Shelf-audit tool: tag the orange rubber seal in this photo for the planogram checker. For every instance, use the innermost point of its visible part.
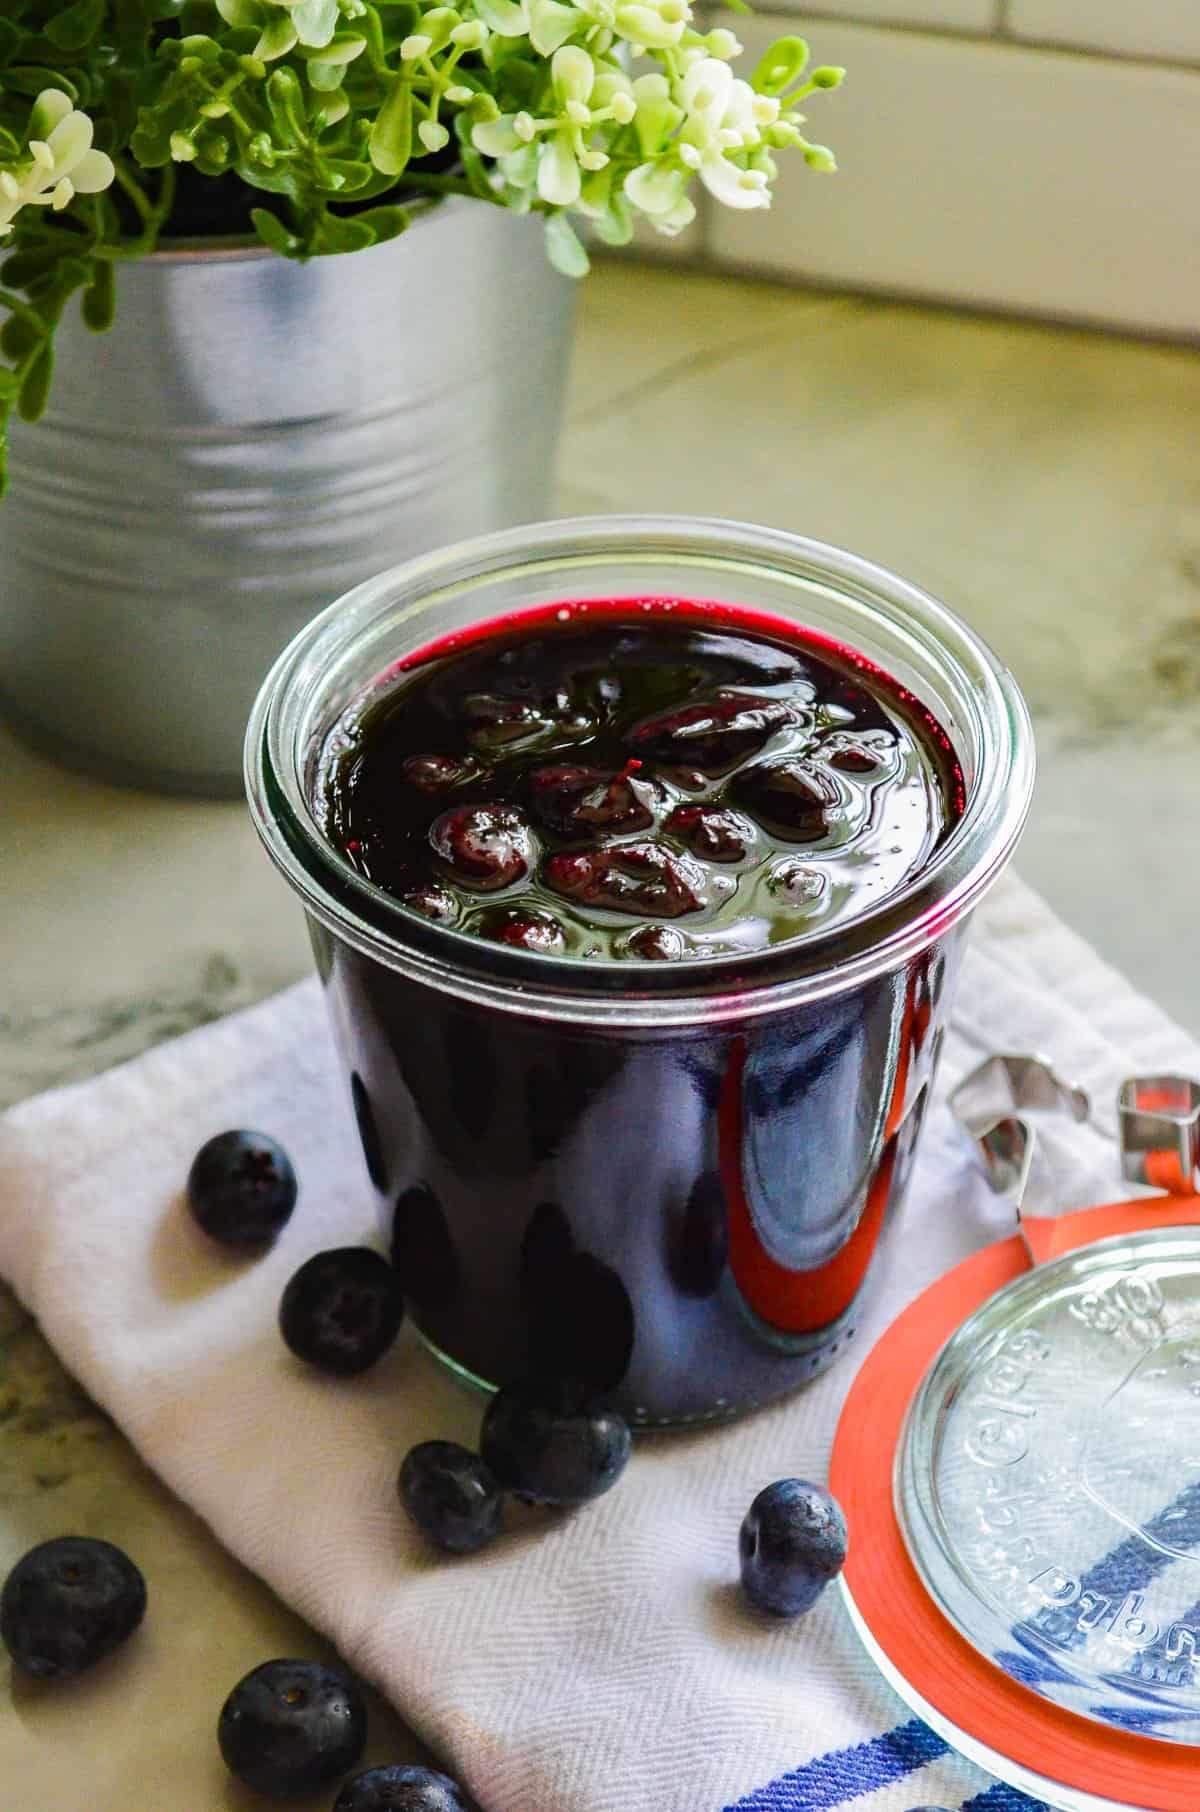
(923, 1647)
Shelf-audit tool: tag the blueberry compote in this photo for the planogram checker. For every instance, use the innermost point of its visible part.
(650, 802)
(655, 783)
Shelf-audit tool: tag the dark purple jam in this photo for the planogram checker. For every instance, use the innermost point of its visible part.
(684, 1216)
(638, 780)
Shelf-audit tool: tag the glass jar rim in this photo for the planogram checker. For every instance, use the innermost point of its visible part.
(630, 994)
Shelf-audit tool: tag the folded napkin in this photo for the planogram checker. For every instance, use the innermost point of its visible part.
(601, 1662)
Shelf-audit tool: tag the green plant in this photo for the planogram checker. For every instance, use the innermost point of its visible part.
(336, 111)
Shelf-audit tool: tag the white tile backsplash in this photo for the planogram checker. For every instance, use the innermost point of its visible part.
(1145, 28)
(991, 174)
(955, 15)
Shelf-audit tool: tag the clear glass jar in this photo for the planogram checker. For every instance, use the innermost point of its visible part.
(675, 1177)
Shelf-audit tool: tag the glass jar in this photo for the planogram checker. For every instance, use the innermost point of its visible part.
(675, 1179)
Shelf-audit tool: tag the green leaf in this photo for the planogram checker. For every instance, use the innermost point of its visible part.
(391, 135)
(35, 387)
(286, 101)
(338, 234)
(9, 385)
(18, 337)
(246, 13)
(387, 222)
(77, 25)
(564, 247)
(781, 64)
(99, 305)
(22, 268)
(279, 35)
(31, 78)
(272, 232)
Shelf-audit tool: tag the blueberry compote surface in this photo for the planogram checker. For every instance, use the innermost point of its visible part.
(638, 780)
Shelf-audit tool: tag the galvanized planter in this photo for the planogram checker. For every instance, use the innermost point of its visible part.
(253, 438)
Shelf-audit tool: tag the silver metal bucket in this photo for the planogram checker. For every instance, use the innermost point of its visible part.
(253, 438)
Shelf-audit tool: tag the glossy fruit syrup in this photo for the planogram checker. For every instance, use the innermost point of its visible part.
(646, 781)
(683, 1217)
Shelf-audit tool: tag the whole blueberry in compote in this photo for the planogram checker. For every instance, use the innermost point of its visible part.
(241, 1188)
(714, 735)
(401, 1789)
(524, 930)
(67, 1603)
(792, 1543)
(577, 802)
(432, 773)
(432, 902)
(484, 846)
(868, 754)
(290, 1726)
(656, 943)
(451, 1496)
(550, 1442)
(641, 878)
(342, 1310)
(792, 797)
(713, 831)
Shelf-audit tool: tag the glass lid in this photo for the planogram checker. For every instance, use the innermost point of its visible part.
(1047, 1482)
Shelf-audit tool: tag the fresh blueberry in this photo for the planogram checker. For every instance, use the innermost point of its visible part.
(631, 877)
(792, 1543)
(401, 1789)
(451, 1496)
(67, 1603)
(291, 1726)
(484, 846)
(241, 1188)
(550, 1442)
(342, 1310)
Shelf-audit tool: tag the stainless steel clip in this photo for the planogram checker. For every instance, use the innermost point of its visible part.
(1159, 1128)
(993, 1105)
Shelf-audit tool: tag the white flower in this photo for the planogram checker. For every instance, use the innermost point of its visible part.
(721, 116)
(653, 24)
(61, 163)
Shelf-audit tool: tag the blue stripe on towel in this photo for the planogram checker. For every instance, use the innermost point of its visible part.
(1004, 1799)
(845, 1774)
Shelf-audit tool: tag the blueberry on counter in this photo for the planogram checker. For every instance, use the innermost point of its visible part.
(290, 1726)
(241, 1188)
(342, 1310)
(451, 1496)
(792, 1543)
(551, 1442)
(401, 1789)
(67, 1603)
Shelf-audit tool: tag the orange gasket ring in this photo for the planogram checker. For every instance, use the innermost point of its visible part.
(923, 1647)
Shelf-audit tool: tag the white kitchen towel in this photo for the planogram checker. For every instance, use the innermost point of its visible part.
(600, 1662)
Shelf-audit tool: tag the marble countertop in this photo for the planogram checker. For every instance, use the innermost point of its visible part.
(1045, 482)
